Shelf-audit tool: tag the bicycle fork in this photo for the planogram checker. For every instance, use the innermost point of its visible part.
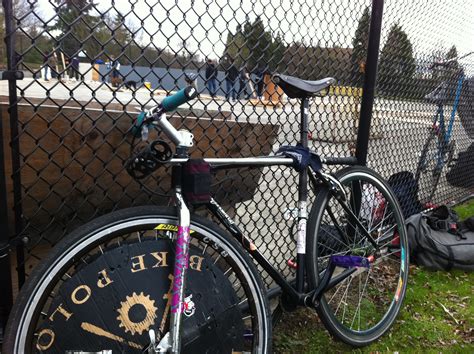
(171, 341)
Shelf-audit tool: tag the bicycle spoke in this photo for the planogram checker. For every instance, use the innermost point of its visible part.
(360, 298)
(357, 306)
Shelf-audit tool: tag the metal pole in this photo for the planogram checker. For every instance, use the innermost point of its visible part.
(363, 133)
(14, 135)
(6, 297)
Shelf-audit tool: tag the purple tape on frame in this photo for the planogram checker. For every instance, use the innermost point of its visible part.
(350, 261)
(181, 262)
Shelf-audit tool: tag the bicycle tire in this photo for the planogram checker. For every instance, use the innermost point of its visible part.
(82, 244)
(359, 316)
(428, 173)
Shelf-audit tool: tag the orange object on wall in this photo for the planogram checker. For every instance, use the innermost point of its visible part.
(96, 73)
(272, 92)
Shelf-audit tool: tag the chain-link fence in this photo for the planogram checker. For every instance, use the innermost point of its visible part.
(90, 67)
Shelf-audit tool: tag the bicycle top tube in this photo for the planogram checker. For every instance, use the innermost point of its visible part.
(264, 161)
(240, 161)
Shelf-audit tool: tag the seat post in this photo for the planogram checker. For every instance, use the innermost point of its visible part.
(302, 202)
(304, 121)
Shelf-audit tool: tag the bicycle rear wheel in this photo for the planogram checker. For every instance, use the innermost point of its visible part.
(363, 306)
(107, 284)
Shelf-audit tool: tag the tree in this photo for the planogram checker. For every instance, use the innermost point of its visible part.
(453, 66)
(23, 11)
(360, 42)
(314, 63)
(252, 45)
(77, 26)
(397, 63)
(121, 44)
(259, 42)
(277, 53)
(450, 73)
(236, 47)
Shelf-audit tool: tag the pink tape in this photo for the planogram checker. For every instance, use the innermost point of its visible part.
(181, 263)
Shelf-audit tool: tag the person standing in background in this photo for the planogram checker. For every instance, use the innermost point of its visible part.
(244, 83)
(46, 71)
(108, 68)
(115, 72)
(75, 68)
(231, 75)
(59, 72)
(259, 75)
(53, 65)
(211, 75)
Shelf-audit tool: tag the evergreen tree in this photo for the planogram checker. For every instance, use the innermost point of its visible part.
(122, 40)
(452, 53)
(258, 42)
(236, 48)
(453, 65)
(253, 46)
(28, 23)
(277, 53)
(360, 42)
(76, 25)
(397, 63)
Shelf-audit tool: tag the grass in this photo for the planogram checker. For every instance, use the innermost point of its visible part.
(437, 316)
(466, 210)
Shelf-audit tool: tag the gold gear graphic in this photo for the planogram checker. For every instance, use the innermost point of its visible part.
(127, 323)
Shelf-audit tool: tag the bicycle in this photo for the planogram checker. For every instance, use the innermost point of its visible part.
(438, 150)
(159, 279)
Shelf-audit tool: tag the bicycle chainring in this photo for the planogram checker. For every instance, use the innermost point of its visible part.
(149, 159)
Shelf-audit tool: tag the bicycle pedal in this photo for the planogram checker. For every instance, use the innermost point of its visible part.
(292, 263)
(351, 261)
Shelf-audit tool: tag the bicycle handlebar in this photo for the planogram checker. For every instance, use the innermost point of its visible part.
(172, 102)
(168, 104)
(446, 62)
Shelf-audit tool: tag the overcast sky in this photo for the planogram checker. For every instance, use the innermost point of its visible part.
(430, 24)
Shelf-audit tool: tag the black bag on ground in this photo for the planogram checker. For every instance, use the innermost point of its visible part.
(460, 174)
(438, 241)
(405, 188)
(466, 106)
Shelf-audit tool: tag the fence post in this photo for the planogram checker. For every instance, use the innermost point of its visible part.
(367, 103)
(14, 136)
(6, 298)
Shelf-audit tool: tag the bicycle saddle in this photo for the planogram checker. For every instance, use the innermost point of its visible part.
(299, 88)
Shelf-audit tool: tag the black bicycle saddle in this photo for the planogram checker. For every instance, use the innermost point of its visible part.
(299, 88)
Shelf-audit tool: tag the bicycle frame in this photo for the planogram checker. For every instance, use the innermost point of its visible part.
(172, 340)
(446, 134)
